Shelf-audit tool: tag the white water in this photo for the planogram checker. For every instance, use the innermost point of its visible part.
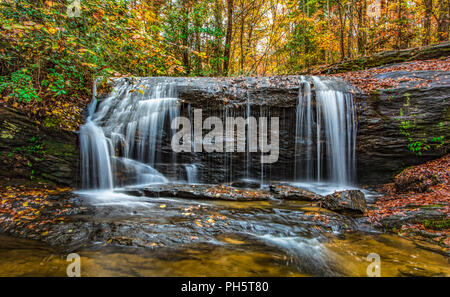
(130, 122)
(123, 139)
(325, 133)
(191, 173)
(95, 156)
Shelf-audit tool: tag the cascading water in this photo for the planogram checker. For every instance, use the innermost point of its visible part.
(325, 132)
(126, 138)
(191, 173)
(126, 141)
(95, 156)
(129, 123)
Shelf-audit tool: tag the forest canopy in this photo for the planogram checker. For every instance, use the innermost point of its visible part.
(52, 50)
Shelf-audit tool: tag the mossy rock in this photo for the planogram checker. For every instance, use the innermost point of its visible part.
(437, 225)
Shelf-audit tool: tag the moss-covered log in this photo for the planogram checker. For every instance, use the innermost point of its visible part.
(385, 58)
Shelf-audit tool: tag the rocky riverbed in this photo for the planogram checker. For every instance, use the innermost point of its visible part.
(141, 233)
(286, 225)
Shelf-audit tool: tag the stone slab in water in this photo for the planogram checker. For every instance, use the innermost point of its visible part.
(288, 192)
(414, 216)
(205, 192)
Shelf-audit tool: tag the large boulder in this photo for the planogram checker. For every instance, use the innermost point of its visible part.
(422, 177)
(346, 201)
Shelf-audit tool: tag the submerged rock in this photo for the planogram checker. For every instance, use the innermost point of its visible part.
(346, 201)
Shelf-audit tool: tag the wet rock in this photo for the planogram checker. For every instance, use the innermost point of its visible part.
(288, 192)
(413, 216)
(382, 150)
(410, 270)
(131, 192)
(205, 192)
(145, 222)
(346, 201)
(246, 184)
(71, 235)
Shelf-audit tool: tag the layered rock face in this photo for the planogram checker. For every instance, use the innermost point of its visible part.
(136, 118)
(417, 108)
(387, 122)
(30, 154)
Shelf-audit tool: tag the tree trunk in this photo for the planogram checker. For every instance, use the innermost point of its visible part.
(303, 28)
(217, 47)
(341, 32)
(427, 21)
(350, 29)
(401, 44)
(359, 33)
(185, 36)
(241, 39)
(226, 55)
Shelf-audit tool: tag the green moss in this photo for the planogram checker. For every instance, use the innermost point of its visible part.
(60, 149)
(432, 206)
(421, 136)
(437, 225)
(9, 130)
(50, 122)
(46, 179)
(376, 92)
(32, 151)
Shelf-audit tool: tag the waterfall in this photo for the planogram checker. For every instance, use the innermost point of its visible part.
(126, 139)
(95, 156)
(325, 132)
(129, 123)
(191, 173)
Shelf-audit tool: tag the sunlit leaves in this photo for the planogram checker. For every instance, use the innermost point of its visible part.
(62, 54)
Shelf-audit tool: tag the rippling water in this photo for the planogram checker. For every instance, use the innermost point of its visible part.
(266, 238)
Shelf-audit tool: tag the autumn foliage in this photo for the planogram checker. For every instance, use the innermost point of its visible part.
(367, 81)
(423, 186)
(31, 210)
(48, 59)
